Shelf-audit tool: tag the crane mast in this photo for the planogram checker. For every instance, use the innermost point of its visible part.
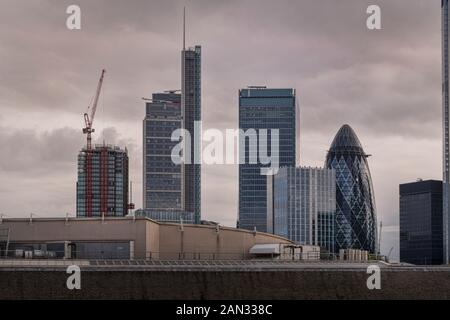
(88, 130)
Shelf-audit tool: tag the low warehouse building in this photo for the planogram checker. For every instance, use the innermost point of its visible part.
(125, 238)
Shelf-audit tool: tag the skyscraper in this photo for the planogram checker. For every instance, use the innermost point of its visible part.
(191, 114)
(109, 182)
(173, 191)
(162, 178)
(421, 222)
(263, 108)
(356, 220)
(301, 205)
(445, 128)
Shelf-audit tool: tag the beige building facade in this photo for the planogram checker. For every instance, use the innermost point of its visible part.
(126, 238)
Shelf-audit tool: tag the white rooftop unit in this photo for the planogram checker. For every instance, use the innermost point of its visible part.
(270, 249)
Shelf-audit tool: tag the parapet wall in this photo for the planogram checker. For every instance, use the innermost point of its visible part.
(320, 284)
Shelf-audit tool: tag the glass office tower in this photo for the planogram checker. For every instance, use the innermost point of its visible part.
(301, 205)
(164, 191)
(191, 114)
(263, 108)
(421, 222)
(356, 220)
(173, 191)
(445, 128)
(162, 178)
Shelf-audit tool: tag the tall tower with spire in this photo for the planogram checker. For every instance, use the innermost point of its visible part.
(191, 115)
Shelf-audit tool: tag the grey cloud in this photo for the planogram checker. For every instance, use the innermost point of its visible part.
(39, 169)
(41, 153)
(321, 48)
(34, 152)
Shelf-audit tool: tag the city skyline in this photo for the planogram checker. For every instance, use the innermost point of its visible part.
(393, 118)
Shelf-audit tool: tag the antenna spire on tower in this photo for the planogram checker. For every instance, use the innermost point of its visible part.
(184, 28)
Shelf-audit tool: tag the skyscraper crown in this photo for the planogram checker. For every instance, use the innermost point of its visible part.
(346, 139)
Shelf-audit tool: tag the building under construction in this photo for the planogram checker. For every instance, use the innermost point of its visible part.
(107, 193)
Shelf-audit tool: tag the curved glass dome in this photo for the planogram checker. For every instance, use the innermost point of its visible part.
(356, 222)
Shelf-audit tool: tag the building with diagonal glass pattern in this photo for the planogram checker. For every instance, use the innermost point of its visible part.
(356, 220)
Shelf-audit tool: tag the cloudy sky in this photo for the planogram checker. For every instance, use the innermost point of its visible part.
(384, 83)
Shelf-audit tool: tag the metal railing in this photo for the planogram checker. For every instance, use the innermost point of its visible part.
(30, 254)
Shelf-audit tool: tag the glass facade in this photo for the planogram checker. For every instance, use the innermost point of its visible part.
(162, 178)
(191, 113)
(167, 215)
(302, 205)
(445, 128)
(109, 182)
(421, 231)
(167, 186)
(263, 108)
(356, 221)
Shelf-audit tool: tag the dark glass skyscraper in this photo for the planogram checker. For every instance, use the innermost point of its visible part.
(445, 128)
(162, 178)
(173, 192)
(191, 114)
(356, 221)
(263, 108)
(421, 222)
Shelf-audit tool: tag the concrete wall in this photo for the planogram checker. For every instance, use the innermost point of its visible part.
(152, 240)
(206, 242)
(224, 285)
(96, 230)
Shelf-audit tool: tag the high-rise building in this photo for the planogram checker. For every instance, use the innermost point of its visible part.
(109, 182)
(356, 220)
(173, 191)
(445, 128)
(191, 115)
(263, 108)
(421, 222)
(301, 205)
(162, 178)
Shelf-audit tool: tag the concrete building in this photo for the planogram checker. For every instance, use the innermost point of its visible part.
(262, 108)
(421, 229)
(127, 238)
(109, 194)
(301, 205)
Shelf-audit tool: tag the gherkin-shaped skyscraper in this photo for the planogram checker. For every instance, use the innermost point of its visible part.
(356, 220)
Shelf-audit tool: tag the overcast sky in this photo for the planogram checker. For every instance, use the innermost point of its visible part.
(384, 83)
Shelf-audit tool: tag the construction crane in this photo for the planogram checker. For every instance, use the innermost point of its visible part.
(89, 120)
(88, 130)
